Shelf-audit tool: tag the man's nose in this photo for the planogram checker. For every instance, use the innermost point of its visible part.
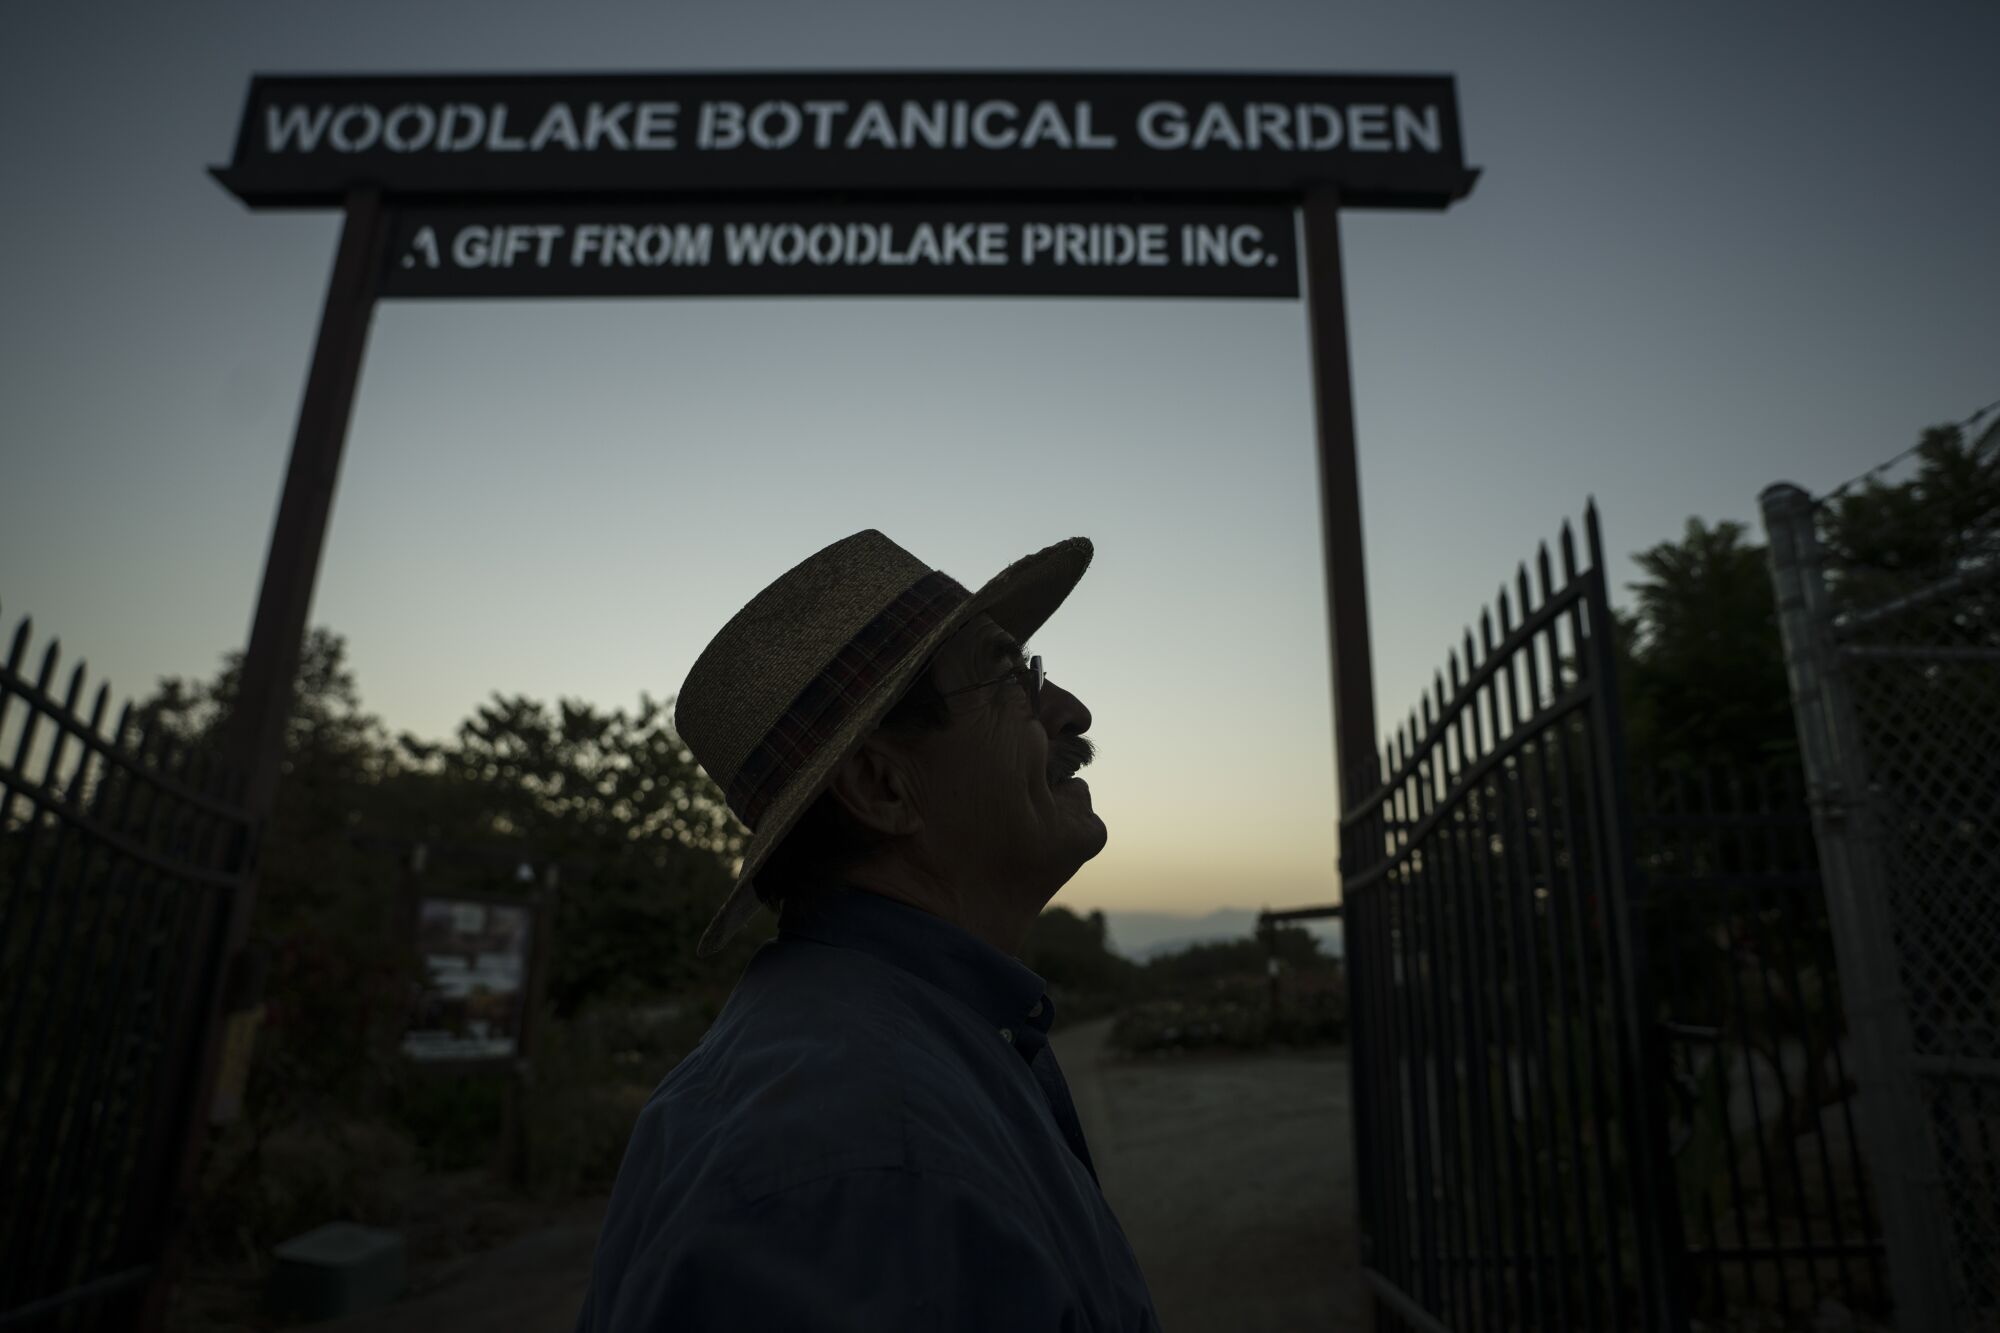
(1063, 714)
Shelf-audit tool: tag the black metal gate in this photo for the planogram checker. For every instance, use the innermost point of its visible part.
(119, 857)
(1513, 1164)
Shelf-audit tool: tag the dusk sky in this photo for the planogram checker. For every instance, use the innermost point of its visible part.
(1713, 247)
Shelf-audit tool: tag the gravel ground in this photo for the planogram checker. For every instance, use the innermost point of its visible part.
(1231, 1174)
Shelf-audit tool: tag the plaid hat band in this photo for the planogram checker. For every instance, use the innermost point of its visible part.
(815, 716)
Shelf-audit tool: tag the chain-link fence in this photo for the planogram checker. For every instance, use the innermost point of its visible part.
(1896, 682)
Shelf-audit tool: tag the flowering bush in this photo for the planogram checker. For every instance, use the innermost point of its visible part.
(1235, 1013)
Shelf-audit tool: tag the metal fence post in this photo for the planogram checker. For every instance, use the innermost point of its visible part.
(1895, 1138)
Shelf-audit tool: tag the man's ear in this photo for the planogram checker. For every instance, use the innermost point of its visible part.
(877, 786)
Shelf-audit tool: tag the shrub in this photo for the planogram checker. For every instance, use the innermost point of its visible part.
(589, 1080)
(1082, 1006)
(453, 1116)
(1234, 1013)
(256, 1191)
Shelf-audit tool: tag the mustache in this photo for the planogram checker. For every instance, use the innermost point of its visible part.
(1071, 754)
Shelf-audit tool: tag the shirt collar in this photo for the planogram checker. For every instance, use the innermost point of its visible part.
(1010, 997)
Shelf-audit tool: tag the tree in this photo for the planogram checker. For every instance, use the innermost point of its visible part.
(1702, 662)
(326, 918)
(1200, 965)
(1884, 540)
(615, 795)
(620, 798)
(1070, 951)
(329, 740)
(1703, 668)
(1705, 692)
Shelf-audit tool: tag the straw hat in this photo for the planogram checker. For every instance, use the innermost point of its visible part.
(797, 678)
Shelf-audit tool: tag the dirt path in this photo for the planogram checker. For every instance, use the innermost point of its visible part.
(1231, 1174)
(1233, 1178)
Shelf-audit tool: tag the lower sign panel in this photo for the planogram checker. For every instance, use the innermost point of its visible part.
(844, 250)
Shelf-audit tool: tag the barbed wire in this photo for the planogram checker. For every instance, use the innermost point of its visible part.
(1829, 497)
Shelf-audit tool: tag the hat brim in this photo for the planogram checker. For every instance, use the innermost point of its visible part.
(1020, 599)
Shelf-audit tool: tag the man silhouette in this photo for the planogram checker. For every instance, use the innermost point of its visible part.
(874, 1134)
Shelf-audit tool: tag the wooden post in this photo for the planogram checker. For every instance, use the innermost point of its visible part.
(1340, 497)
(255, 741)
(1346, 592)
(519, 1135)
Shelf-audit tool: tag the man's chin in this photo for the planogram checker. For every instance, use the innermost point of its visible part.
(1091, 846)
(1080, 847)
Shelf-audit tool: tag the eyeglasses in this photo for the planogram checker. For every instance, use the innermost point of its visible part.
(1031, 677)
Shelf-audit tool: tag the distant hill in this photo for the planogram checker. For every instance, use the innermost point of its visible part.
(1143, 935)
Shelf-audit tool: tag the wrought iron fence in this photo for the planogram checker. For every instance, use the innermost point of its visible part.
(1898, 699)
(1758, 1088)
(119, 854)
(1514, 1170)
(1604, 1073)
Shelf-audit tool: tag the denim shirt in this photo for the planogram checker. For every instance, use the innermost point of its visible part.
(873, 1135)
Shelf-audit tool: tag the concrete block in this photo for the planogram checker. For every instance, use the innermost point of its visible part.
(335, 1270)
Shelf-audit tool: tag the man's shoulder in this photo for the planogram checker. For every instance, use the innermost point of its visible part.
(802, 1004)
(799, 1079)
(833, 1093)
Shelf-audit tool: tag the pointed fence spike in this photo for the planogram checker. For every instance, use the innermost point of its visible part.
(1506, 615)
(49, 657)
(1521, 588)
(97, 750)
(1568, 553)
(1486, 631)
(91, 739)
(59, 742)
(20, 646)
(1593, 534)
(1458, 680)
(1542, 571)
